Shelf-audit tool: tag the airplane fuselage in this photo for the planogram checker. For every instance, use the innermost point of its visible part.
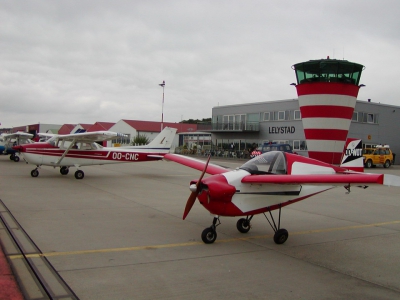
(226, 195)
(48, 155)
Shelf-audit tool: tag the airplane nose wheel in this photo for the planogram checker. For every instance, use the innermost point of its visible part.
(209, 235)
(35, 173)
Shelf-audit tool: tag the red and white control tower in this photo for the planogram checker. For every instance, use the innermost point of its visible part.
(327, 91)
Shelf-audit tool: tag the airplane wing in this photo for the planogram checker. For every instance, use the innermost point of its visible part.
(17, 135)
(95, 136)
(326, 179)
(195, 163)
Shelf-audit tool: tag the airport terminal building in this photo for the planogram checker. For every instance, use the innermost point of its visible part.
(281, 122)
(318, 122)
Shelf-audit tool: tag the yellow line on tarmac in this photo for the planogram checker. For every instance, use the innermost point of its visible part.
(137, 248)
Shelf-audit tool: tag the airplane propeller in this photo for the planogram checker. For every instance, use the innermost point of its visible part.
(192, 198)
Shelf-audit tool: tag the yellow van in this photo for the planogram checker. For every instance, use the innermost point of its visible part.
(381, 155)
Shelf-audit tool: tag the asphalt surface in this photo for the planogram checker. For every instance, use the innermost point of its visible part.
(119, 234)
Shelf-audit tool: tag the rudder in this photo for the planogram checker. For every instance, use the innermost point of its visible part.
(352, 158)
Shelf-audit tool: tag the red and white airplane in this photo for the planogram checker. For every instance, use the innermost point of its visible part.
(8, 140)
(81, 149)
(270, 182)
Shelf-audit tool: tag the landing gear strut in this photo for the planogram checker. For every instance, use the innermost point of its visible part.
(281, 235)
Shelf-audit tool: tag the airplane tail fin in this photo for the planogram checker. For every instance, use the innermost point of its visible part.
(352, 158)
(161, 144)
(164, 139)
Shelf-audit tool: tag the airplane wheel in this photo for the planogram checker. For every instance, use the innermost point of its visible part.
(209, 235)
(16, 158)
(64, 170)
(35, 173)
(243, 225)
(280, 236)
(79, 174)
(12, 157)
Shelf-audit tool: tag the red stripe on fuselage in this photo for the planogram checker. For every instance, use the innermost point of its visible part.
(94, 154)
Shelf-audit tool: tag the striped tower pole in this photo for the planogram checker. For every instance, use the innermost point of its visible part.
(327, 90)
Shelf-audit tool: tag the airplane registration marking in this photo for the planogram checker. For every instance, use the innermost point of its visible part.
(125, 156)
(138, 248)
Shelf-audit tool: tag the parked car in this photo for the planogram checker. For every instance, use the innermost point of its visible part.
(275, 147)
(381, 155)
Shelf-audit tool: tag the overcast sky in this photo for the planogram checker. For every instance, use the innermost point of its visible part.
(83, 61)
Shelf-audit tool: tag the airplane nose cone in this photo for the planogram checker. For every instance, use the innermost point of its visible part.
(193, 188)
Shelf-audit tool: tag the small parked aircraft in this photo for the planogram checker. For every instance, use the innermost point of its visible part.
(81, 149)
(8, 140)
(270, 182)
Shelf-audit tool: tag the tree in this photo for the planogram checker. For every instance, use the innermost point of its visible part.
(191, 121)
(140, 139)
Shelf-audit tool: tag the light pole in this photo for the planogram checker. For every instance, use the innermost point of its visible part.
(162, 106)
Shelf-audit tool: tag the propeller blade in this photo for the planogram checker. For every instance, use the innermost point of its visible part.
(192, 198)
(204, 171)
(189, 204)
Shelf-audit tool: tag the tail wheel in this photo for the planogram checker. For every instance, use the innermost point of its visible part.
(209, 235)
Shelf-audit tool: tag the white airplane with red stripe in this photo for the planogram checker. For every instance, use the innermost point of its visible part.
(82, 149)
(270, 182)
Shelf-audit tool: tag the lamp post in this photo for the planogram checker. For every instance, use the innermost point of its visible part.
(162, 106)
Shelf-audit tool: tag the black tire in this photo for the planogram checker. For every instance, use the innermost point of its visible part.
(34, 173)
(243, 225)
(280, 236)
(79, 174)
(16, 158)
(12, 157)
(209, 235)
(386, 164)
(64, 170)
(368, 164)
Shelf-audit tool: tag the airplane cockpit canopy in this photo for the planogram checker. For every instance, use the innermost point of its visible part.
(81, 145)
(273, 162)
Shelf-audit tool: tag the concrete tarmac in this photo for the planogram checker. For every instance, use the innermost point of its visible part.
(119, 234)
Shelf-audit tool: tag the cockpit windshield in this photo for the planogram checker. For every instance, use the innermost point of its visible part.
(273, 162)
(64, 144)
